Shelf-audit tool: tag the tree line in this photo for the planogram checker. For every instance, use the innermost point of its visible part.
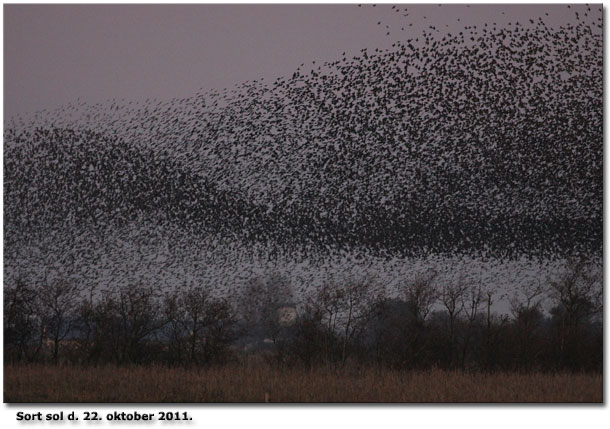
(428, 323)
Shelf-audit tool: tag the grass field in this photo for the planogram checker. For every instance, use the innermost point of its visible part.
(46, 383)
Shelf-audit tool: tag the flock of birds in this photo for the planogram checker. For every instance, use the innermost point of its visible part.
(486, 143)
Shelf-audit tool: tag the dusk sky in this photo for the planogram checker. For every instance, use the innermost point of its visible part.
(55, 54)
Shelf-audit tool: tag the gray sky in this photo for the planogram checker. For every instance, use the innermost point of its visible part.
(54, 54)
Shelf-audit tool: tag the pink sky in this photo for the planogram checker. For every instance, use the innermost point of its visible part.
(54, 54)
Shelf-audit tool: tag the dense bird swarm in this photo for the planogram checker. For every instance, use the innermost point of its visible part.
(484, 143)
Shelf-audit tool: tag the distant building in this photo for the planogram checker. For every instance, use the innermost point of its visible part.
(287, 315)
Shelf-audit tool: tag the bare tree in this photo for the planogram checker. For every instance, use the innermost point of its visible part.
(21, 321)
(528, 297)
(577, 293)
(139, 314)
(323, 308)
(205, 322)
(345, 309)
(174, 331)
(104, 327)
(578, 290)
(360, 300)
(58, 310)
(472, 300)
(194, 303)
(421, 294)
(87, 324)
(452, 295)
(525, 307)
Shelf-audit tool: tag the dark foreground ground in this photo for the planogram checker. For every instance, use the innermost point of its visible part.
(260, 383)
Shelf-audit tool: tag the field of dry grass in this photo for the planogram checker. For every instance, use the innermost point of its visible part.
(240, 383)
